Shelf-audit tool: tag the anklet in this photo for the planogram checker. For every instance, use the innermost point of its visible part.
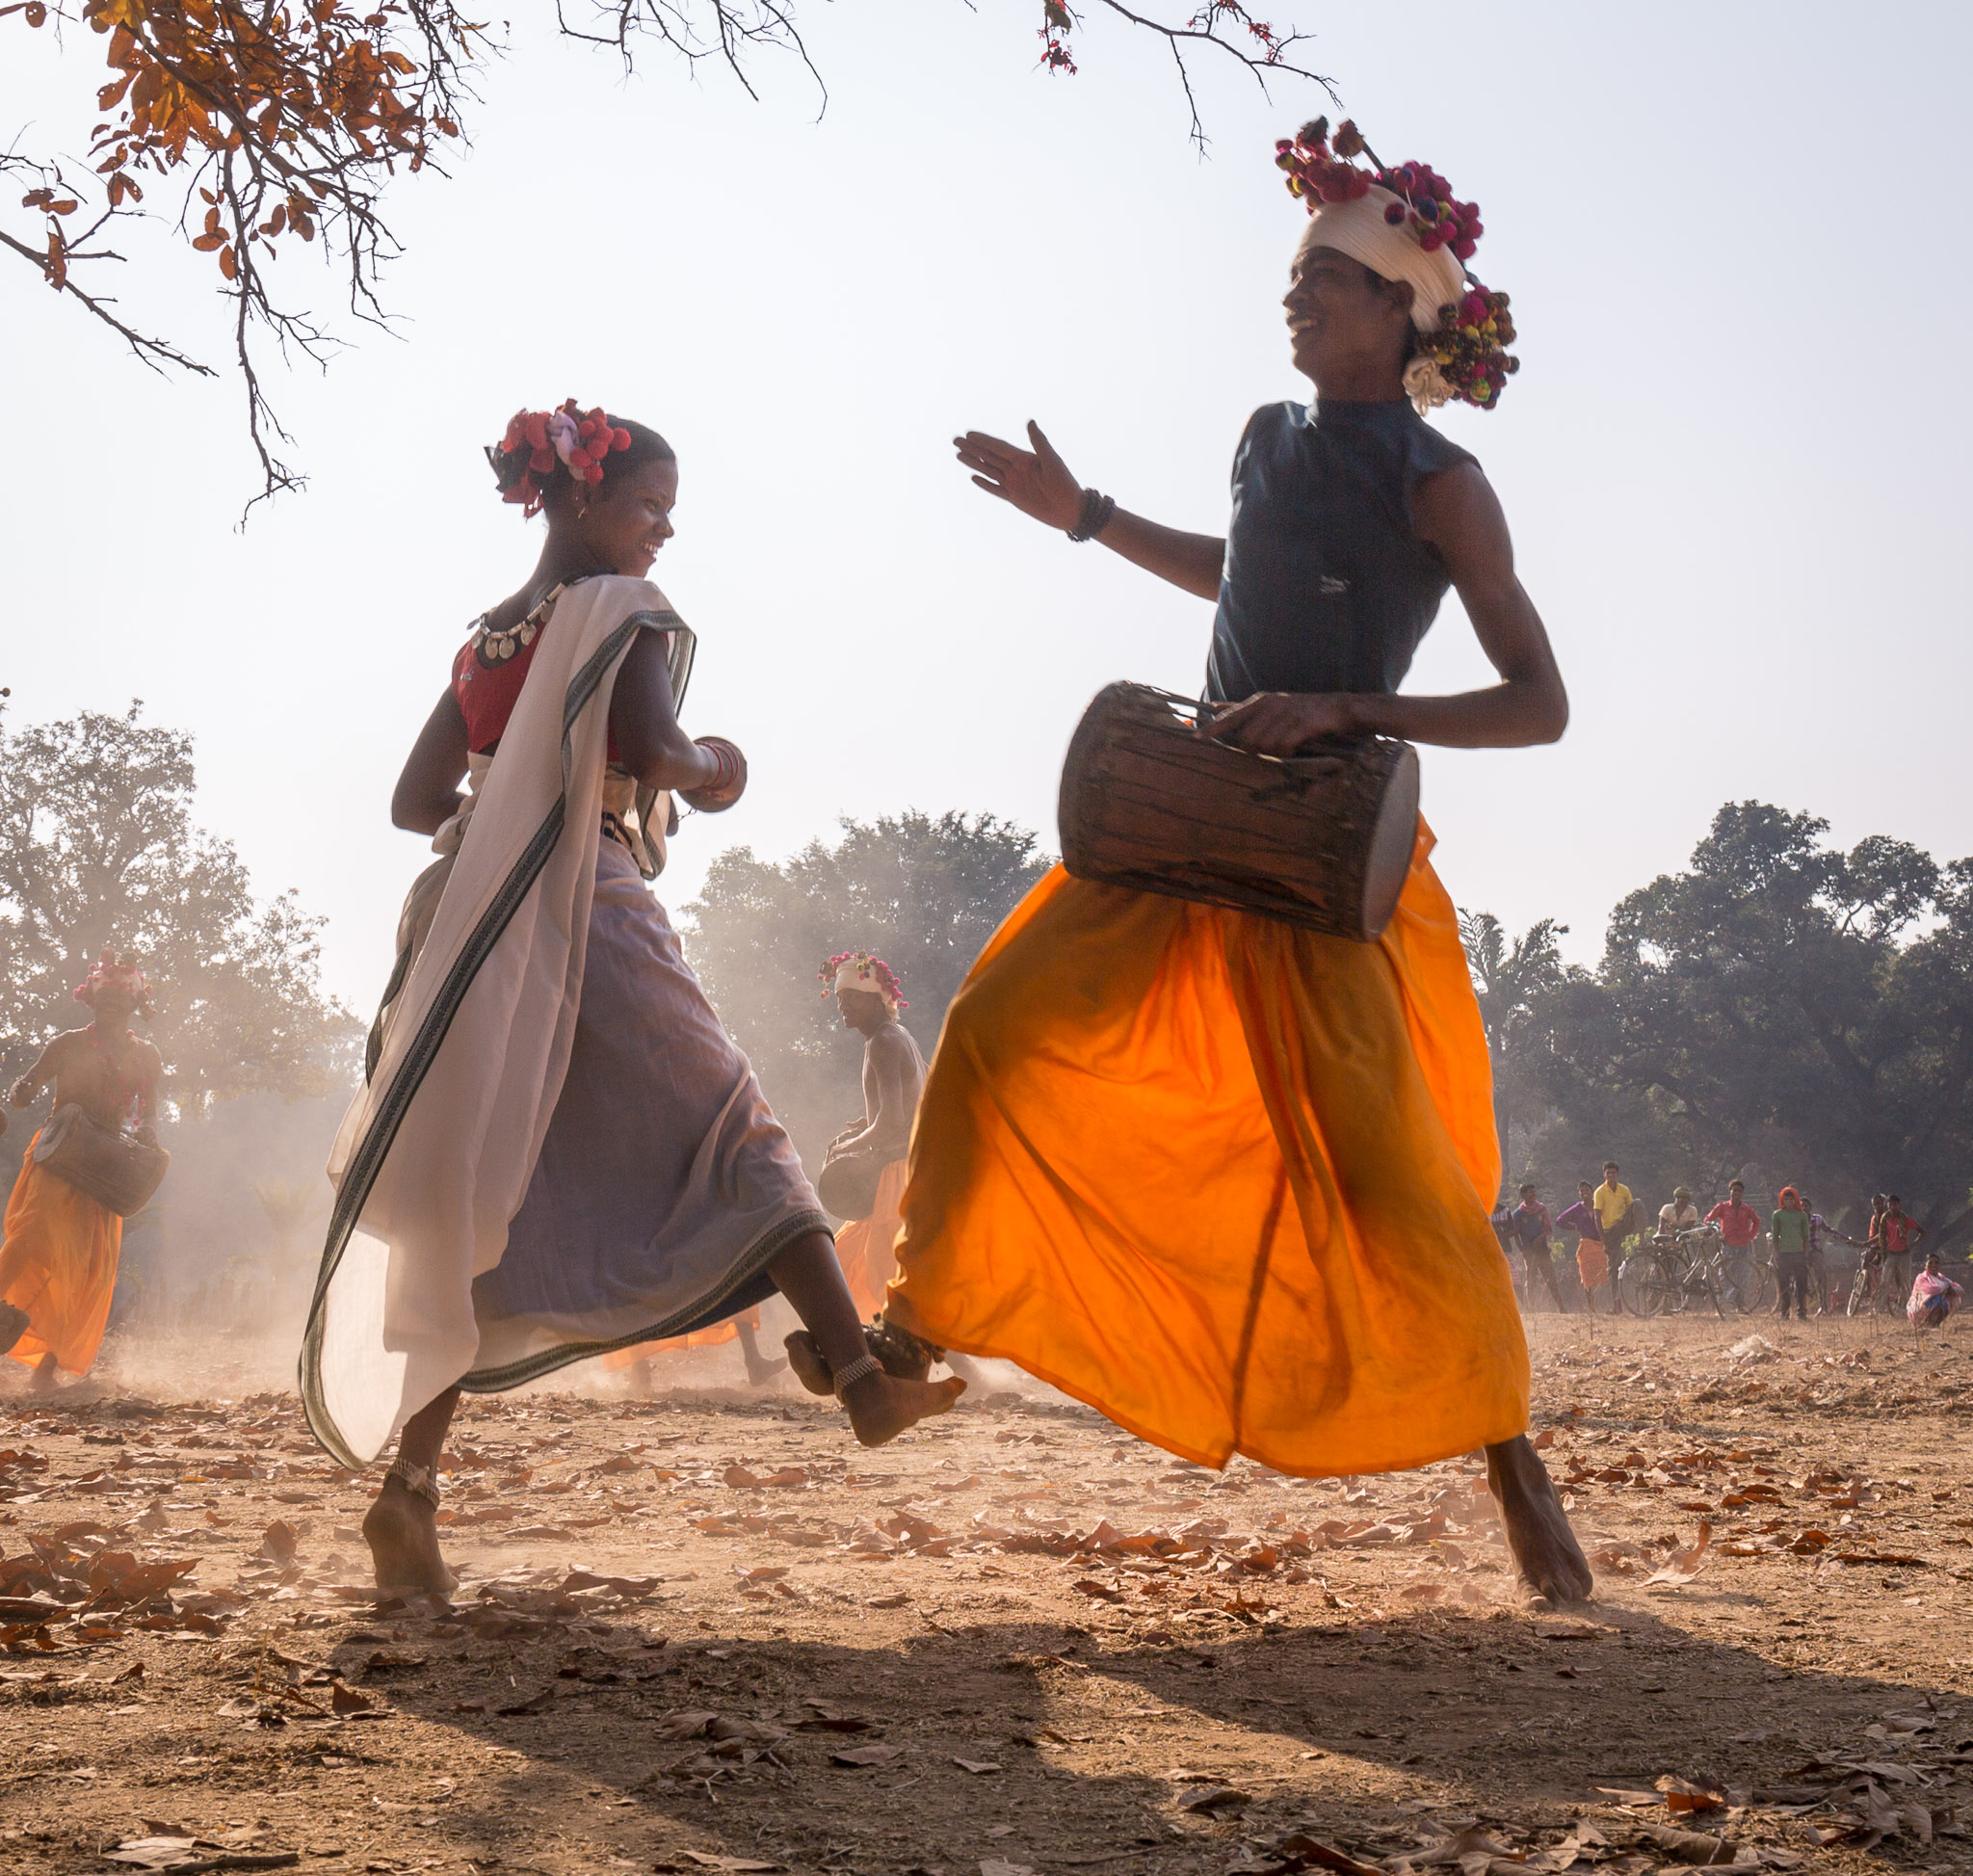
(418, 1480)
(848, 1375)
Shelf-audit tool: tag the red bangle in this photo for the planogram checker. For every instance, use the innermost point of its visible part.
(727, 756)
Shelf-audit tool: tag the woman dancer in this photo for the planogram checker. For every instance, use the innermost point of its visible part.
(1225, 1180)
(559, 1150)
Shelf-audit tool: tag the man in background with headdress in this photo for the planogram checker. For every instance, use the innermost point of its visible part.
(59, 1247)
(866, 1160)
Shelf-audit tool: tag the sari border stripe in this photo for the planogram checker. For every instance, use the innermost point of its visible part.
(368, 1159)
(698, 1315)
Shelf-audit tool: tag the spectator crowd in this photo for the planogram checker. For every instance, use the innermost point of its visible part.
(1798, 1244)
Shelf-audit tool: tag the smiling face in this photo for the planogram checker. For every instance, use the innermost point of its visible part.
(623, 521)
(1349, 330)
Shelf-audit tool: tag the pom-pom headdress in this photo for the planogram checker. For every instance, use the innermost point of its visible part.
(1405, 223)
(539, 442)
(109, 972)
(858, 971)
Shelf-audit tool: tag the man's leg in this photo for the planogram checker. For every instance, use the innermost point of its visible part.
(1898, 1280)
(402, 1526)
(1546, 1555)
(880, 1406)
(760, 1368)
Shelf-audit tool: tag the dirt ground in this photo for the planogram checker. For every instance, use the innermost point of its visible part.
(705, 1632)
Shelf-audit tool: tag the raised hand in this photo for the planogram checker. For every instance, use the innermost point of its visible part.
(1038, 482)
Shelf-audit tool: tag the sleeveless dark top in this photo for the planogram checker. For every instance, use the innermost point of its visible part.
(1326, 588)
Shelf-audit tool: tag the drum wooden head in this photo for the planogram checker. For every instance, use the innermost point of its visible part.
(1322, 840)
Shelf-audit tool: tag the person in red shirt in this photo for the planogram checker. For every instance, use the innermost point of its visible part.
(1896, 1234)
(1738, 1222)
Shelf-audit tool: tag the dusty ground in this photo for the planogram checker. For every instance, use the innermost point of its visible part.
(1038, 1643)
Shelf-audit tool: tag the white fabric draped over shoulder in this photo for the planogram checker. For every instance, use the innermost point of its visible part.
(433, 1158)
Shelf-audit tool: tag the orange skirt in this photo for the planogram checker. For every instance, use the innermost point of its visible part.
(867, 1246)
(1226, 1180)
(58, 1261)
(721, 1331)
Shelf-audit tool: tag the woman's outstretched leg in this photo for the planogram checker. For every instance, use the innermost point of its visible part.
(402, 1527)
(880, 1406)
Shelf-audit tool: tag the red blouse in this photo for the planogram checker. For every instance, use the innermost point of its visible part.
(488, 685)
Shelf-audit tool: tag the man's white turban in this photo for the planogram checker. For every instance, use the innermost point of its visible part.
(1359, 229)
(860, 972)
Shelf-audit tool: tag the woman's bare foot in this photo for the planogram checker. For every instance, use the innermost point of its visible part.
(402, 1531)
(14, 1325)
(811, 1368)
(43, 1380)
(881, 1406)
(1546, 1555)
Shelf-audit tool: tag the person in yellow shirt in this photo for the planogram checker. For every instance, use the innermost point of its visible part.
(1613, 1202)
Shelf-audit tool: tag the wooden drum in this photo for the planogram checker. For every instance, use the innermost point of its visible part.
(114, 1169)
(1322, 840)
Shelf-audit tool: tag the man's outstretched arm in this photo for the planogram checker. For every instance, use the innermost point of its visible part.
(1040, 484)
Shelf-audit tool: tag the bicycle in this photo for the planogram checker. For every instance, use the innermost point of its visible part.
(1869, 1293)
(1671, 1274)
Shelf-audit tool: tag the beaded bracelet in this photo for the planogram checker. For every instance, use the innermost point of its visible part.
(1096, 511)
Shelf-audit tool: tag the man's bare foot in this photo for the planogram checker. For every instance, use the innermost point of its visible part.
(881, 1406)
(810, 1365)
(1546, 1555)
(760, 1370)
(402, 1531)
(43, 1380)
(14, 1325)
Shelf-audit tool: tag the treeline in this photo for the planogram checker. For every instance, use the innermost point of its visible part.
(98, 847)
(1780, 1012)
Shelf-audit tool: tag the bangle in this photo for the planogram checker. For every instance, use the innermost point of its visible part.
(1096, 511)
(728, 758)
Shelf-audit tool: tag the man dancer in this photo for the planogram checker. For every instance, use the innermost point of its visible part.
(59, 1248)
(1224, 1179)
(869, 995)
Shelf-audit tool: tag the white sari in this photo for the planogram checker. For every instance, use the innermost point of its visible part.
(555, 1153)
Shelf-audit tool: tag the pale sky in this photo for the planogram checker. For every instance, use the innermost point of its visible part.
(1734, 238)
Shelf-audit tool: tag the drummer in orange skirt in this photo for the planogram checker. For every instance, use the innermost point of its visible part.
(1224, 1178)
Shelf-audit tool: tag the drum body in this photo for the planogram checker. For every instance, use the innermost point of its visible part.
(117, 1170)
(847, 1186)
(1322, 839)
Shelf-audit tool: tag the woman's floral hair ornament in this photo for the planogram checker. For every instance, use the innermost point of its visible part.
(858, 971)
(109, 972)
(1410, 228)
(539, 441)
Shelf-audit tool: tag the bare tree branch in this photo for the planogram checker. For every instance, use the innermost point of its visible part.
(154, 353)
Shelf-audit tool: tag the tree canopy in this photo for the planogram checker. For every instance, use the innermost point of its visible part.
(97, 847)
(1780, 1010)
(261, 126)
(923, 892)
